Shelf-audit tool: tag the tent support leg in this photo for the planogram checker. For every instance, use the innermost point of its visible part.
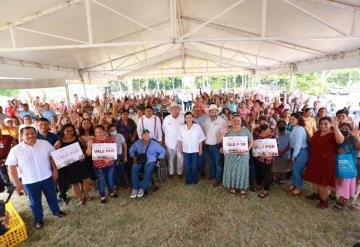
(67, 93)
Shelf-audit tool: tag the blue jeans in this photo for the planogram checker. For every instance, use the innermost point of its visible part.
(214, 157)
(148, 169)
(119, 173)
(191, 167)
(35, 191)
(298, 168)
(105, 176)
(202, 161)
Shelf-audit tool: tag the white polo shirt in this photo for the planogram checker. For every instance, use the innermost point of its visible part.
(149, 123)
(213, 130)
(171, 128)
(33, 162)
(191, 138)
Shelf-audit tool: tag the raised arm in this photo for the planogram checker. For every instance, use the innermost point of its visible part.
(338, 136)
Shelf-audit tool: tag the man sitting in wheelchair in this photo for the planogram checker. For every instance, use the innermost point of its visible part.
(145, 153)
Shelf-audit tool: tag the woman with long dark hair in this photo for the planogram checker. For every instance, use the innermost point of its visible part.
(74, 174)
(299, 153)
(86, 133)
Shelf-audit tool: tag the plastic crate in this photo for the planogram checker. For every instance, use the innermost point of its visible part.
(17, 231)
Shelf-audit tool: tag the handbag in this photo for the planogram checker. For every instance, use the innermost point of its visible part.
(141, 158)
(345, 166)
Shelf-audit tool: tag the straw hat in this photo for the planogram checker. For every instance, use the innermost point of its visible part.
(174, 104)
(214, 107)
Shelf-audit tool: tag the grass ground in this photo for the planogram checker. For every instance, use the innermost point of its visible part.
(179, 215)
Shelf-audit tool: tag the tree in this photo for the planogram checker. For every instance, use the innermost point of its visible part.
(9, 92)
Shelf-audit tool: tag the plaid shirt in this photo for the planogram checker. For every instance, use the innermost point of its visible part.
(256, 136)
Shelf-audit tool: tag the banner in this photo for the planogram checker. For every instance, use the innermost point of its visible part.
(67, 155)
(265, 147)
(234, 144)
(101, 151)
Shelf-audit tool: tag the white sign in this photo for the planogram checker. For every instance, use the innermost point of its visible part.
(102, 151)
(67, 155)
(265, 147)
(235, 144)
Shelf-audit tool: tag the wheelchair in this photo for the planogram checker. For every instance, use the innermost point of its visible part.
(158, 176)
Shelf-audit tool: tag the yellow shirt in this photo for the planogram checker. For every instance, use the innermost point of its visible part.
(13, 132)
(310, 126)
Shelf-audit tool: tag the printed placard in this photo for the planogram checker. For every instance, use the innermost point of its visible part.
(67, 155)
(102, 151)
(265, 147)
(234, 144)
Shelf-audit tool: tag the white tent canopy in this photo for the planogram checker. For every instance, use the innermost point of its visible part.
(45, 42)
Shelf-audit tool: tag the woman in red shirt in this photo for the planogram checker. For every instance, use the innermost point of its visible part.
(103, 168)
(321, 169)
(10, 110)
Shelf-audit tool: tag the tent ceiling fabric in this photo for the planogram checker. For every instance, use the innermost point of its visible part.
(58, 40)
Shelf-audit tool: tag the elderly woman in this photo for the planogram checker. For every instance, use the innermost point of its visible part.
(321, 167)
(236, 167)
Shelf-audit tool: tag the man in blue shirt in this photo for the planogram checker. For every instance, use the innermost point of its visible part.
(26, 111)
(46, 112)
(44, 133)
(153, 151)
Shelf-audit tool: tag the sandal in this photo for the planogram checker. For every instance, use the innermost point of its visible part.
(263, 194)
(232, 192)
(290, 188)
(338, 206)
(295, 192)
(322, 204)
(243, 193)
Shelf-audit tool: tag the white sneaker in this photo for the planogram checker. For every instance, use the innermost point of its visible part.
(140, 193)
(133, 193)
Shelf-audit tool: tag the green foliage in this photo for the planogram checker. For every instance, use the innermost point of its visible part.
(9, 92)
(314, 83)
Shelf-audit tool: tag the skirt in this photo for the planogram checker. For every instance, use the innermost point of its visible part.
(281, 165)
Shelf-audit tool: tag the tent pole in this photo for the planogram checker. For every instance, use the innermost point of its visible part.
(84, 89)
(67, 93)
(291, 82)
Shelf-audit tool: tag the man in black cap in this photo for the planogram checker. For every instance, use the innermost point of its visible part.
(144, 152)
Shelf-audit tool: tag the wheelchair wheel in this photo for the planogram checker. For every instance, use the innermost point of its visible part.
(162, 170)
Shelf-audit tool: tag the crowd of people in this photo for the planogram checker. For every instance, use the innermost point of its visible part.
(314, 141)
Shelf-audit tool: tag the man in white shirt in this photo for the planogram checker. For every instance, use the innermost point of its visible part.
(152, 123)
(171, 126)
(32, 158)
(214, 127)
